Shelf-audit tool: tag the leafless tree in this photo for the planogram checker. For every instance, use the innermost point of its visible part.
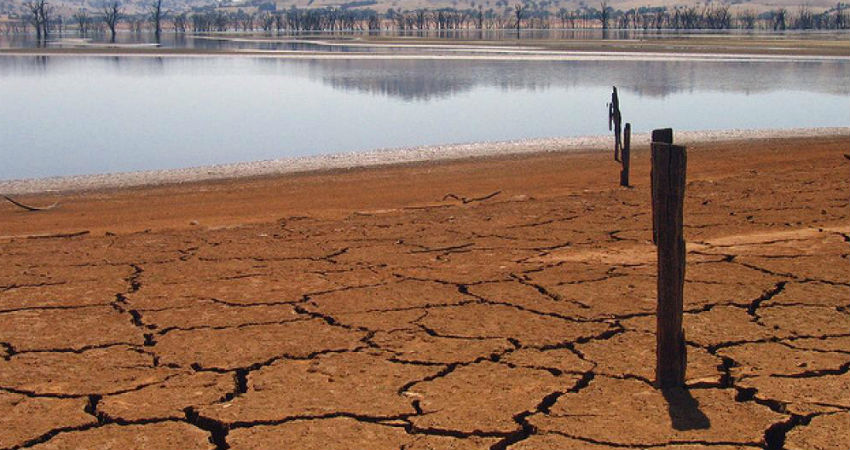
(716, 16)
(805, 18)
(604, 15)
(747, 19)
(136, 23)
(82, 19)
(278, 22)
(267, 21)
(519, 11)
(374, 23)
(111, 15)
(180, 23)
(156, 18)
(40, 13)
(779, 17)
(34, 17)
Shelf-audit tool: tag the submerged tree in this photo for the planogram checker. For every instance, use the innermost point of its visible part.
(82, 19)
(519, 11)
(111, 15)
(39, 16)
(604, 15)
(779, 19)
(747, 19)
(179, 23)
(34, 17)
(156, 18)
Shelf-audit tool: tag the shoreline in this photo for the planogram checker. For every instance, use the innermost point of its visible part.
(380, 158)
(744, 46)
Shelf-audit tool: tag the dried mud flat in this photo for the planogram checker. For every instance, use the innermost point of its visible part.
(368, 309)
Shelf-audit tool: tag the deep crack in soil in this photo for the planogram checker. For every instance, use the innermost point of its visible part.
(490, 321)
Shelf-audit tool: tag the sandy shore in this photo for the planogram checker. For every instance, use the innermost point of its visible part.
(485, 303)
(380, 157)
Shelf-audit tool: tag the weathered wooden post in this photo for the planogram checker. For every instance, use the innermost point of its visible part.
(664, 136)
(615, 118)
(626, 154)
(669, 163)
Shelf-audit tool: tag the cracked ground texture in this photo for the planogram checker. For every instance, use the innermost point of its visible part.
(366, 309)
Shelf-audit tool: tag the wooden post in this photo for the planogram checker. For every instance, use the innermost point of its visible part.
(664, 136)
(615, 118)
(669, 164)
(624, 171)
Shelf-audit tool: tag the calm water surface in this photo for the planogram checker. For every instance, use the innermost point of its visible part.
(81, 115)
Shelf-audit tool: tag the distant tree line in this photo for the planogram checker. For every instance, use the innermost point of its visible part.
(354, 17)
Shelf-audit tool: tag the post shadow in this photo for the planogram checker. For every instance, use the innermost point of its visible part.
(684, 410)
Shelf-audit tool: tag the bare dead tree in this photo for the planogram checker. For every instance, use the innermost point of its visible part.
(156, 18)
(519, 11)
(180, 23)
(34, 18)
(779, 17)
(267, 21)
(278, 22)
(747, 19)
(40, 13)
(716, 16)
(111, 15)
(82, 19)
(604, 15)
(46, 11)
(479, 19)
(805, 19)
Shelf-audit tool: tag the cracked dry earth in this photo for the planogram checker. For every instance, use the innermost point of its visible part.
(523, 321)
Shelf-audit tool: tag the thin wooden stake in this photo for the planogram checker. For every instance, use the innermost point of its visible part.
(664, 136)
(615, 118)
(669, 163)
(626, 154)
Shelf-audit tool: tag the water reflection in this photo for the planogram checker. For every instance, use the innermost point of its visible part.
(430, 79)
(69, 115)
(425, 80)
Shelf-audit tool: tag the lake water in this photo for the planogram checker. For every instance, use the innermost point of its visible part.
(67, 115)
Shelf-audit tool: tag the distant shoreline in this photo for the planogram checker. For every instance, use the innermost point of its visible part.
(829, 45)
(474, 55)
(379, 157)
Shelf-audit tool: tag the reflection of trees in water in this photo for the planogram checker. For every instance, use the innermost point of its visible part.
(33, 65)
(420, 80)
(415, 88)
(660, 79)
(28, 65)
(424, 80)
(434, 79)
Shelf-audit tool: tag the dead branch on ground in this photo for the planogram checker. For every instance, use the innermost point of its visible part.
(28, 207)
(58, 235)
(466, 200)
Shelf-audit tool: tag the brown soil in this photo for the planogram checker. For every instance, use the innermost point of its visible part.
(368, 309)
